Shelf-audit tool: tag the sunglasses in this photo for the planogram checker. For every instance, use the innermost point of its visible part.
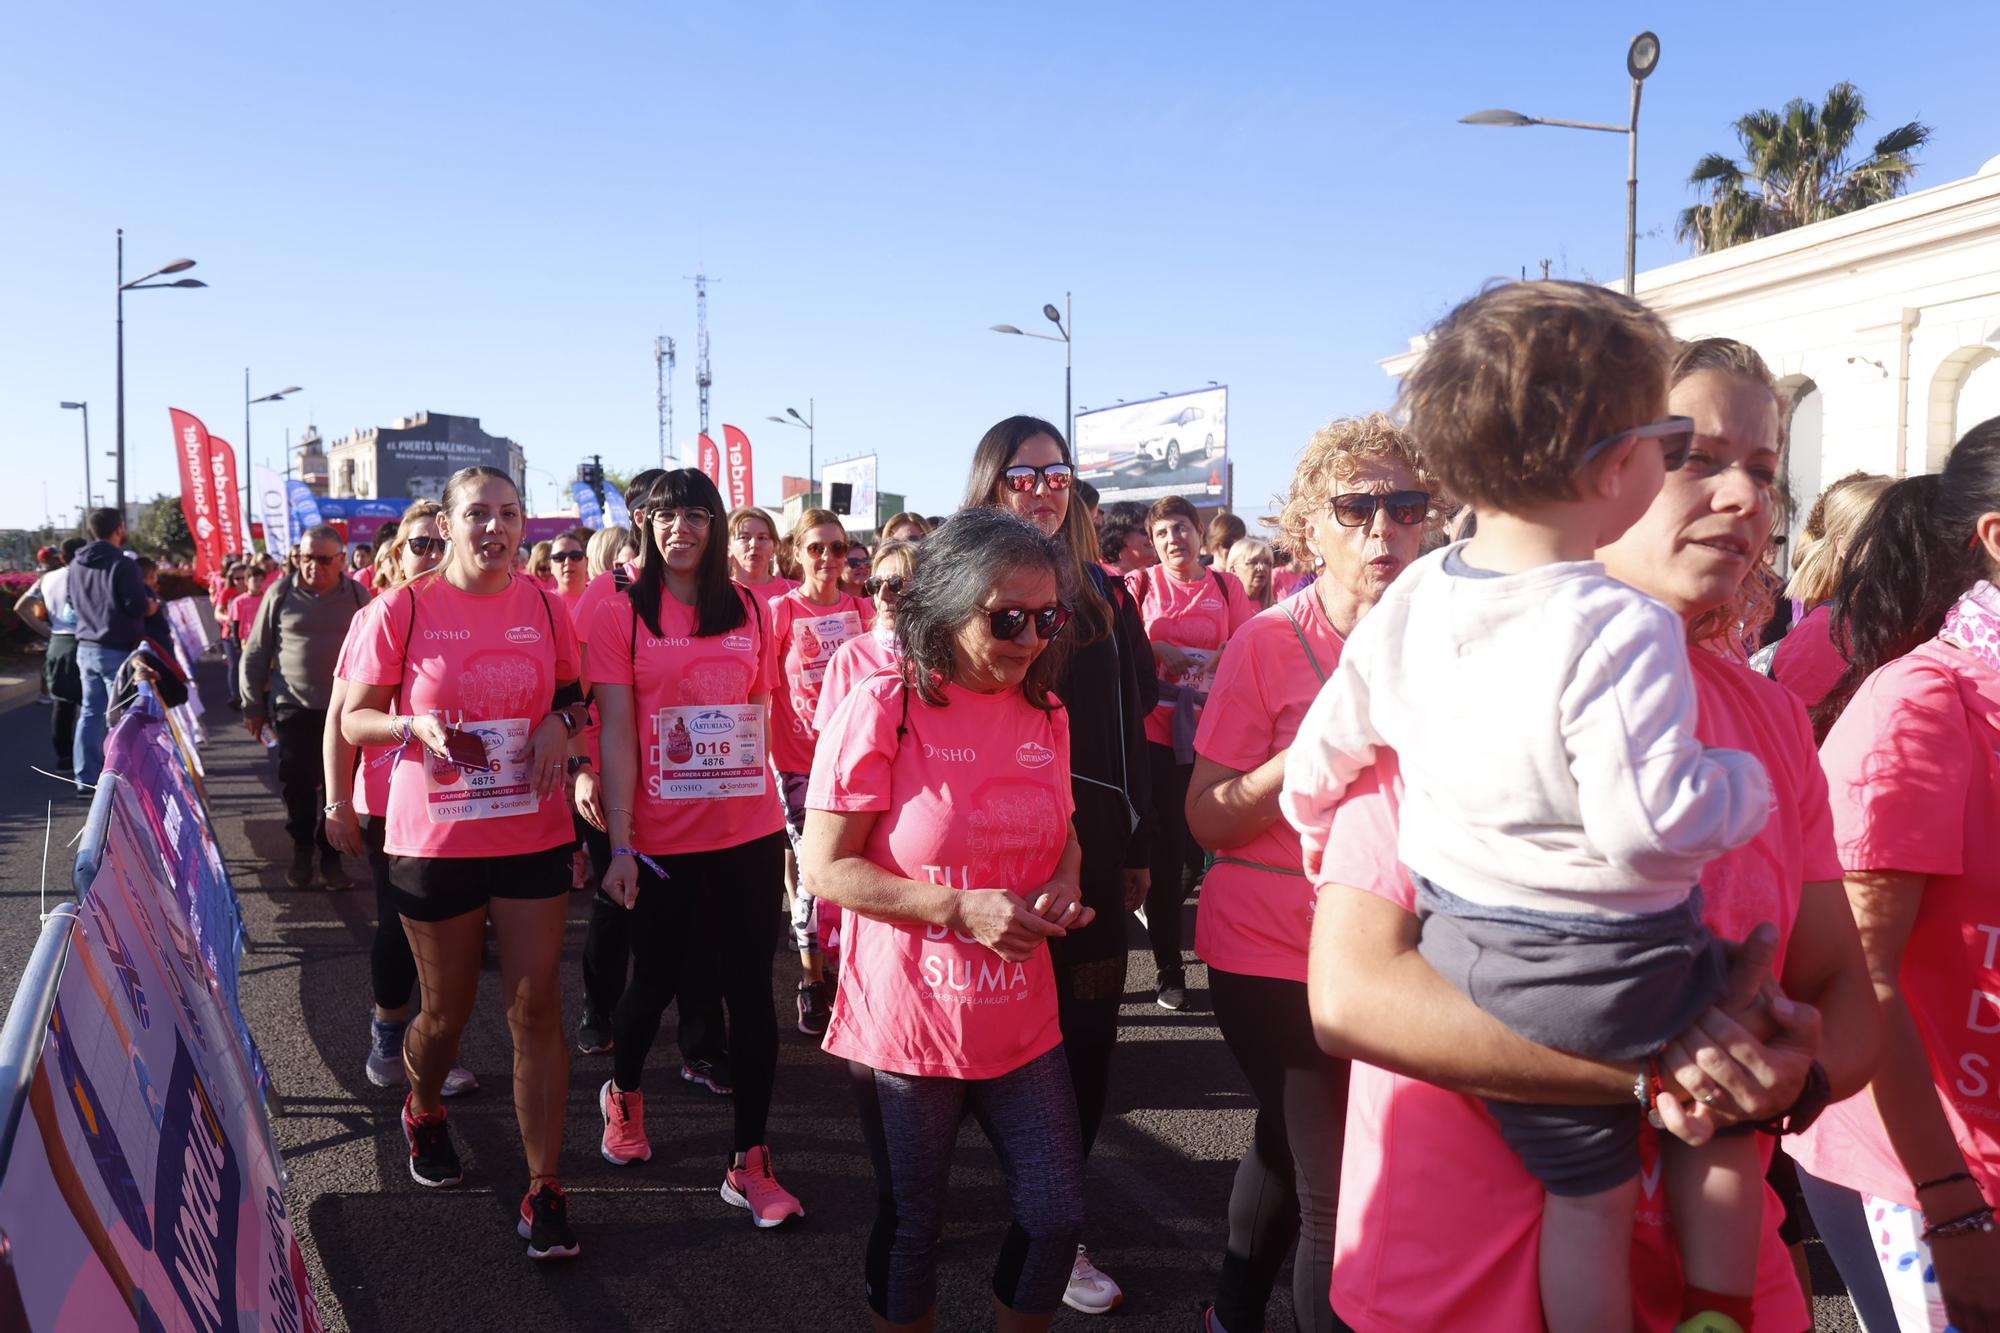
(1357, 509)
(1008, 624)
(814, 550)
(890, 582)
(566, 556)
(1675, 434)
(694, 518)
(860, 561)
(426, 545)
(1022, 478)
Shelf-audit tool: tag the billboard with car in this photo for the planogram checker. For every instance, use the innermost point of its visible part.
(1177, 444)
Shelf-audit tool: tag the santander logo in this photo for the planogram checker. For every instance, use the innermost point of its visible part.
(524, 634)
(1034, 755)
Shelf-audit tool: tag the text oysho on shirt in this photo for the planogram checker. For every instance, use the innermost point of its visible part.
(975, 794)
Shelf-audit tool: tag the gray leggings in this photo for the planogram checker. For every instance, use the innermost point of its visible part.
(911, 1127)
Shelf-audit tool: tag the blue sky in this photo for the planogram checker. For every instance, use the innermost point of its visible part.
(489, 209)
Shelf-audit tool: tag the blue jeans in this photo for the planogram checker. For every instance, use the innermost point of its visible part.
(97, 664)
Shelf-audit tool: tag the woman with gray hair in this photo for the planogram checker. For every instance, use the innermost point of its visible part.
(939, 822)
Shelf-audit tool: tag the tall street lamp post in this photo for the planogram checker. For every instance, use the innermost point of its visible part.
(137, 285)
(792, 418)
(1641, 59)
(248, 403)
(1061, 319)
(87, 497)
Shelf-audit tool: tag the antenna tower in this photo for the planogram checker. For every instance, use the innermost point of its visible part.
(663, 362)
(703, 376)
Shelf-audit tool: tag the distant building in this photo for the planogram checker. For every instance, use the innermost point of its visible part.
(412, 458)
(311, 450)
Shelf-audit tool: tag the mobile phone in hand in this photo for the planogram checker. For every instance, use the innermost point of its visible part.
(466, 750)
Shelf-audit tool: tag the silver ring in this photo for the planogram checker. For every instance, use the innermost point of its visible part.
(1708, 1098)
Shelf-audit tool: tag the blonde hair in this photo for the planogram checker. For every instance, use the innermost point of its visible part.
(1742, 617)
(538, 559)
(1834, 519)
(1242, 549)
(1335, 454)
(605, 544)
(419, 520)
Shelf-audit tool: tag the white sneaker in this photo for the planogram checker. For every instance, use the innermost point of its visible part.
(1140, 912)
(459, 1082)
(1089, 1290)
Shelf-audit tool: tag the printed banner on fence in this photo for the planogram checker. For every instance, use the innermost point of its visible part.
(587, 511)
(198, 499)
(143, 1189)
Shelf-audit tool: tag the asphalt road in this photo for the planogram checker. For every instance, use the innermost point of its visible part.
(661, 1250)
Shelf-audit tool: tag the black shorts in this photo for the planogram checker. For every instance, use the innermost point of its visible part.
(438, 888)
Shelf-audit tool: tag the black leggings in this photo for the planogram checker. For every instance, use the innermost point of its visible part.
(392, 971)
(1170, 839)
(1087, 999)
(607, 958)
(1288, 1184)
(711, 925)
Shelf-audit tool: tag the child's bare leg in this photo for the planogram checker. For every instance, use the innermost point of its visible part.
(1716, 1194)
(1587, 1260)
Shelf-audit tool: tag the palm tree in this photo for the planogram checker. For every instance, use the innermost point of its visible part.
(1795, 170)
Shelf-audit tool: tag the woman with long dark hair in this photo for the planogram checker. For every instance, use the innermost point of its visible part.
(1023, 466)
(683, 665)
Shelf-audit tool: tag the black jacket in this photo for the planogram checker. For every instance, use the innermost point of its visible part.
(108, 596)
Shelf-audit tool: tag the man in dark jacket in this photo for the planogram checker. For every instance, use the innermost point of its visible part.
(108, 597)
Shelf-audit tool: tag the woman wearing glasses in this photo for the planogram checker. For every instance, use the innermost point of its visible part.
(1356, 513)
(861, 657)
(940, 823)
(1023, 466)
(568, 563)
(808, 625)
(1190, 611)
(684, 664)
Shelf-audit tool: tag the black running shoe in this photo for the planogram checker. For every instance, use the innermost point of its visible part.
(593, 1035)
(815, 1008)
(433, 1159)
(711, 1074)
(545, 1225)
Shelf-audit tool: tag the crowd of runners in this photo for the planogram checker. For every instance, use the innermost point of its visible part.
(1589, 882)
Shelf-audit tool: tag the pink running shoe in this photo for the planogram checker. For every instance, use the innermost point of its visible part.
(752, 1186)
(624, 1126)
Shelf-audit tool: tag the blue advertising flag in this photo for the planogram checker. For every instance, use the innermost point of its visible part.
(615, 511)
(586, 504)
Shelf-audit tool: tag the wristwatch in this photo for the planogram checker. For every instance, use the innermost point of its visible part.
(576, 763)
(1813, 1098)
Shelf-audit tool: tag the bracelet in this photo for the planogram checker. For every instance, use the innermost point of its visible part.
(640, 856)
(400, 725)
(1979, 1219)
(332, 806)
(1943, 1180)
(569, 723)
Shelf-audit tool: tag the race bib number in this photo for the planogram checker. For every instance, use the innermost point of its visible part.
(452, 793)
(708, 752)
(1200, 673)
(818, 639)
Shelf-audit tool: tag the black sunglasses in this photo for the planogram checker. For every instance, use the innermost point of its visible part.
(892, 582)
(426, 545)
(566, 556)
(1357, 509)
(1008, 624)
(1675, 434)
(1022, 478)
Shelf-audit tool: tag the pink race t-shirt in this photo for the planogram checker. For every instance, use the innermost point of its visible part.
(975, 794)
(467, 659)
(1198, 617)
(1806, 662)
(775, 586)
(682, 682)
(1914, 770)
(243, 610)
(1255, 921)
(1410, 1145)
(807, 636)
(573, 603)
(371, 780)
(853, 662)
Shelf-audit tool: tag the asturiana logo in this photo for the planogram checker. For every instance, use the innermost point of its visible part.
(524, 634)
(711, 724)
(1034, 755)
(737, 643)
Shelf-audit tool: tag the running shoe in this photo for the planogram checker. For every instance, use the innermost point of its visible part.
(332, 876)
(593, 1035)
(459, 1082)
(385, 1061)
(1090, 1290)
(433, 1160)
(299, 874)
(814, 1008)
(1173, 991)
(545, 1224)
(710, 1074)
(624, 1140)
(752, 1186)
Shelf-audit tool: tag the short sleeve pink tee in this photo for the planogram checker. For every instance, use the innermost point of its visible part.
(975, 794)
(775, 586)
(1410, 1144)
(1914, 768)
(1199, 616)
(467, 659)
(1806, 662)
(243, 610)
(807, 636)
(1257, 921)
(853, 662)
(676, 671)
(371, 780)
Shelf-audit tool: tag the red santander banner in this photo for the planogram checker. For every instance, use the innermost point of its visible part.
(709, 460)
(230, 536)
(198, 498)
(740, 490)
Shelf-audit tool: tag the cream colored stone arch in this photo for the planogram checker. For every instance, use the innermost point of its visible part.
(1943, 426)
(1804, 446)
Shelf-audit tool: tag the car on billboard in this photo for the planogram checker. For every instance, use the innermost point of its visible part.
(1186, 434)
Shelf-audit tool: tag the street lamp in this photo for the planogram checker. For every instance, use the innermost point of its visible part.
(85, 409)
(248, 403)
(793, 419)
(138, 285)
(1641, 59)
(1061, 319)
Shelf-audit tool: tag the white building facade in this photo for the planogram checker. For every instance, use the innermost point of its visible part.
(1883, 325)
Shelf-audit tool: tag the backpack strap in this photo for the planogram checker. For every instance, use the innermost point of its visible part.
(1299, 630)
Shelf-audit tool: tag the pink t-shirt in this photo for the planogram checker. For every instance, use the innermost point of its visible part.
(853, 662)
(603, 586)
(371, 779)
(974, 795)
(775, 586)
(807, 636)
(1806, 662)
(1411, 1145)
(678, 672)
(1199, 616)
(1914, 768)
(468, 659)
(243, 610)
(573, 603)
(1251, 921)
